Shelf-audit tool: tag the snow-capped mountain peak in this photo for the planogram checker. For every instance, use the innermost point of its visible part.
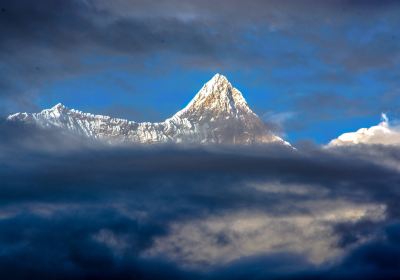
(217, 97)
(217, 114)
(58, 107)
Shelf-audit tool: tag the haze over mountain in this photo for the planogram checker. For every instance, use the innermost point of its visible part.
(217, 114)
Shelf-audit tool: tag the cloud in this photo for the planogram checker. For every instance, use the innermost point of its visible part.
(43, 42)
(88, 36)
(223, 239)
(192, 213)
(381, 134)
(276, 121)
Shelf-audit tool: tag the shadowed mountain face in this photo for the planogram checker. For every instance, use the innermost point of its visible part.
(217, 114)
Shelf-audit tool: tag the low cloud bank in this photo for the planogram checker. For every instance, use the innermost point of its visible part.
(77, 210)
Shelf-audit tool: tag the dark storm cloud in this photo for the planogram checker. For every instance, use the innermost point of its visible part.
(51, 154)
(92, 212)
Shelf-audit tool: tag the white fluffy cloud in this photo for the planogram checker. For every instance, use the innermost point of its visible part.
(381, 134)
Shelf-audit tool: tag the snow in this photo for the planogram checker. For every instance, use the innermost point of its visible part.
(217, 114)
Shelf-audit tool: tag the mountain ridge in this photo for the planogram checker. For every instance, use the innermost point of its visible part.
(218, 114)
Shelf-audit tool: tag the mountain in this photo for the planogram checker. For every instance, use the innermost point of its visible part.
(381, 134)
(217, 114)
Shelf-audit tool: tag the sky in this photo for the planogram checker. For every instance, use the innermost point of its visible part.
(315, 69)
(75, 207)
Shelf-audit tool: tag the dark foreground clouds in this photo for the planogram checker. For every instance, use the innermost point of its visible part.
(77, 210)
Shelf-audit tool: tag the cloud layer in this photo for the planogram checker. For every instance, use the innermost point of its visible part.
(77, 210)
